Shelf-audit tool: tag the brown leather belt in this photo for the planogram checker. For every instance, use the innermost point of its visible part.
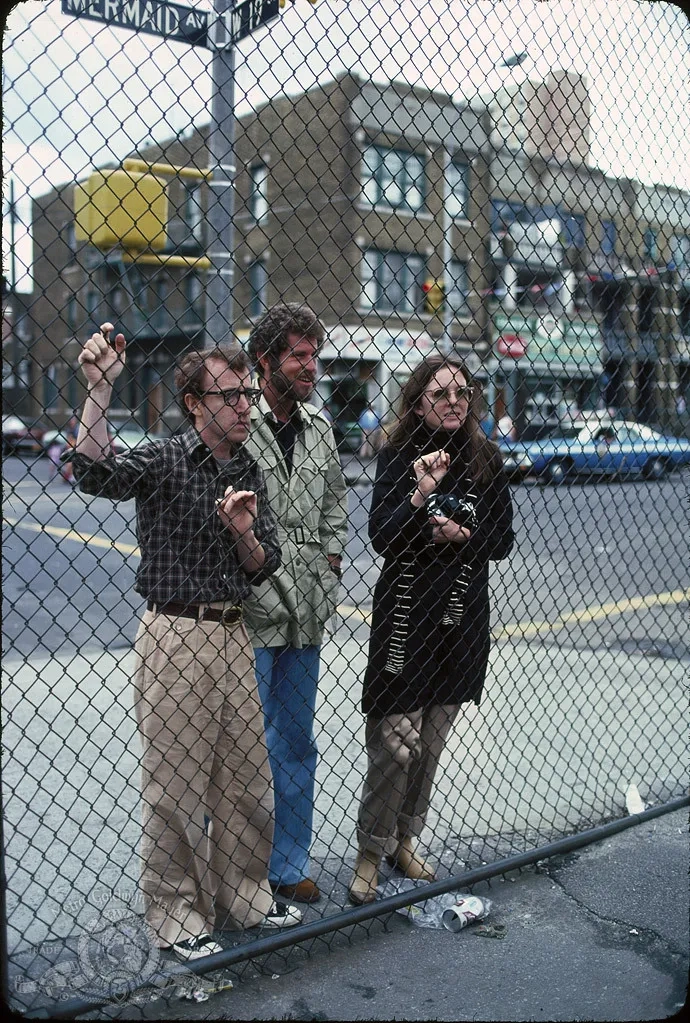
(227, 615)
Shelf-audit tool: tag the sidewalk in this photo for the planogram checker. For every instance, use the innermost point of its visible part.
(601, 934)
(569, 952)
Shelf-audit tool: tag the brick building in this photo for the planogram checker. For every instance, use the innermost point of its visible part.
(560, 284)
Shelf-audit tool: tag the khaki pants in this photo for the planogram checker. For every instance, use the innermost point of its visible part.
(207, 799)
(403, 752)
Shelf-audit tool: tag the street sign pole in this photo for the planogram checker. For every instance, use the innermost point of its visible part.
(221, 211)
(232, 21)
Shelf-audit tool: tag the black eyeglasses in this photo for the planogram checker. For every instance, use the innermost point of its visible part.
(233, 394)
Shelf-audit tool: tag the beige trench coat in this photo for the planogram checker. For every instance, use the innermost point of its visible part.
(293, 606)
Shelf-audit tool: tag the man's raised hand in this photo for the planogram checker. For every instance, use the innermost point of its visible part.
(101, 359)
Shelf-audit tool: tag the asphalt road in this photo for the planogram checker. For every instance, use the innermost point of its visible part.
(70, 560)
(597, 577)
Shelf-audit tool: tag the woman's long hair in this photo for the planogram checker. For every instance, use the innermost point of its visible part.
(483, 457)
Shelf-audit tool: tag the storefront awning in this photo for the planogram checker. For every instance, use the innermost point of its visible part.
(559, 346)
(377, 345)
(604, 268)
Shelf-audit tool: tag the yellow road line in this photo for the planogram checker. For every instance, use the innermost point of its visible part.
(597, 612)
(71, 534)
(517, 630)
(594, 613)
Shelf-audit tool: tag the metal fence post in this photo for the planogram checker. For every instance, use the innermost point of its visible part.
(221, 143)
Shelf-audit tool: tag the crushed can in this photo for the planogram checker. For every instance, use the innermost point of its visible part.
(466, 910)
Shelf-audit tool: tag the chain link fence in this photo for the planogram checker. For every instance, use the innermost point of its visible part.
(478, 217)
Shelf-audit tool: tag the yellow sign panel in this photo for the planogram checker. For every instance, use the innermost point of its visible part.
(123, 208)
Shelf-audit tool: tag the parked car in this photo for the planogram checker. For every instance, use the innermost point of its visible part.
(596, 448)
(123, 438)
(18, 438)
(127, 437)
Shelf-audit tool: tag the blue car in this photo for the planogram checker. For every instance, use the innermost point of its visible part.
(596, 448)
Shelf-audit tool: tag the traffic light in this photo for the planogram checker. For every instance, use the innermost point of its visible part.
(434, 295)
(121, 207)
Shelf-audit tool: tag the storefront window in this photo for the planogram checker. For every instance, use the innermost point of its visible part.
(345, 385)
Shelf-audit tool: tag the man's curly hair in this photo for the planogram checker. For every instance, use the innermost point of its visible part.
(270, 335)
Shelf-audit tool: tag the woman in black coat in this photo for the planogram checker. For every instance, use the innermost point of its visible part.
(440, 511)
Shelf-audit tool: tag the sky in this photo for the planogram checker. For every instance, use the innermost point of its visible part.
(77, 94)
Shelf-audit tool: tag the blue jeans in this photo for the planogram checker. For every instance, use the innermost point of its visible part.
(287, 680)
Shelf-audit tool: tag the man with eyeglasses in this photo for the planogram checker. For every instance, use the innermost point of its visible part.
(207, 535)
(287, 615)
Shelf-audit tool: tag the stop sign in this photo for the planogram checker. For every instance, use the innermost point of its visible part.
(512, 345)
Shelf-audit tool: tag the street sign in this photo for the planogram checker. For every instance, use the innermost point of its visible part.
(171, 21)
(248, 16)
(512, 345)
(174, 22)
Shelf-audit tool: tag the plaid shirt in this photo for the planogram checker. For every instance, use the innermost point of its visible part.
(187, 554)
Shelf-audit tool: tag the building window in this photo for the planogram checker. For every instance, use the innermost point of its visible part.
(651, 246)
(680, 251)
(23, 327)
(393, 178)
(72, 388)
(93, 302)
(392, 281)
(258, 196)
(647, 310)
(504, 213)
(24, 372)
(457, 289)
(193, 213)
(194, 294)
(161, 292)
(684, 313)
(258, 286)
(458, 189)
(8, 379)
(50, 387)
(573, 230)
(72, 312)
(608, 237)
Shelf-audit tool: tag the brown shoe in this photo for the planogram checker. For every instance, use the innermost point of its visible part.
(304, 891)
(362, 888)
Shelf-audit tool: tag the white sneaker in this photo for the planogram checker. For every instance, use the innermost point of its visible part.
(282, 915)
(196, 948)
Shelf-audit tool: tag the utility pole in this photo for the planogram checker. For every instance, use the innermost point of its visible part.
(513, 378)
(221, 212)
